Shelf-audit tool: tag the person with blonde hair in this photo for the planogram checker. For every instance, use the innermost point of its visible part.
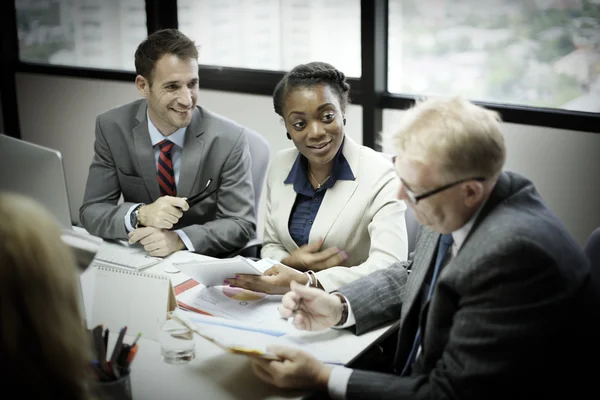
(500, 302)
(44, 345)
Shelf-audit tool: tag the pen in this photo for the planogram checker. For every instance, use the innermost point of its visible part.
(131, 355)
(198, 196)
(122, 359)
(139, 335)
(114, 370)
(99, 348)
(298, 304)
(105, 343)
(118, 345)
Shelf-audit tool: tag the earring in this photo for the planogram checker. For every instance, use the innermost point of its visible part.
(289, 136)
(344, 121)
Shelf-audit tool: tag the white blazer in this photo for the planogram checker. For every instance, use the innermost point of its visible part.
(362, 217)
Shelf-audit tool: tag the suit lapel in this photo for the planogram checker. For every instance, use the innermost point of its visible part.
(286, 199)
(192, 155)
(421, 264)
(337, 197)
(145, 153)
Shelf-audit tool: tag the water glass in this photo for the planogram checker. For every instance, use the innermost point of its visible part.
(177, 343)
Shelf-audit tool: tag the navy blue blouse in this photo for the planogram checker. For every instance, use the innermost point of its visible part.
(308, 200)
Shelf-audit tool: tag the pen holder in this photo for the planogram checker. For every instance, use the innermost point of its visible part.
(119, 389)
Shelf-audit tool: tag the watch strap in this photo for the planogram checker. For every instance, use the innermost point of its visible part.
(344, 317)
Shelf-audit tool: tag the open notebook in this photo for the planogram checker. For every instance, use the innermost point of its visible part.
(132, 257)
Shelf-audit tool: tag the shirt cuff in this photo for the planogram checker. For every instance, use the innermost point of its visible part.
(127, 218)
(185, 239)
(338, 382)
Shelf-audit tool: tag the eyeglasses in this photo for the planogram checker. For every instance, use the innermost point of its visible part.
(414, 199)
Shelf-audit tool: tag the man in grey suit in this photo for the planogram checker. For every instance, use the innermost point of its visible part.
(159, 152)
(496, 302)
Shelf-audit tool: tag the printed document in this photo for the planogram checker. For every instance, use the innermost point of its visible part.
(214, 272)
(232, 303)
(255, 344)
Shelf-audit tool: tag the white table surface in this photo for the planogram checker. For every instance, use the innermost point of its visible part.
(214, 373)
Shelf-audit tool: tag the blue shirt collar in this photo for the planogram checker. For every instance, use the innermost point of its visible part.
(298, 175)
(177, 137)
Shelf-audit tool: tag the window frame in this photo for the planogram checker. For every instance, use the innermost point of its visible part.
(369, 91)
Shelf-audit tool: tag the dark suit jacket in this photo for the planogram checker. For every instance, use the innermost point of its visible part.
(214, 147)
(506, 317)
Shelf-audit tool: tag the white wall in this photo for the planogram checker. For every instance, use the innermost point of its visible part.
(564, 165)
(60, 113)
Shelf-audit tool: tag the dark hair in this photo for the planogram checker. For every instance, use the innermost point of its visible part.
(309, 75)
(156, 45)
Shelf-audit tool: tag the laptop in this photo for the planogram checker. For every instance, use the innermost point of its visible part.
(37, 172)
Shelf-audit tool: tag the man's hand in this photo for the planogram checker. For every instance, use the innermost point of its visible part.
(319, 310)
(276, 280)
(157, 242)
(163, 213)
(298, 370)
(310, 257)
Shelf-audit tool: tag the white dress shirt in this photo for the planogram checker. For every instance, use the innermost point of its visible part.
(177, 137)
(338, 380)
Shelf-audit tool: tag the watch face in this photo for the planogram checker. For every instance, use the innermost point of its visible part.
(134, 219)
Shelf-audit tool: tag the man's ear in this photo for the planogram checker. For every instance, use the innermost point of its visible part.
(473, 193)
(142, 85)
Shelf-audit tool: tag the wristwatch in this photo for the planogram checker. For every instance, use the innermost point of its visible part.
(134, 217)
(344, 317)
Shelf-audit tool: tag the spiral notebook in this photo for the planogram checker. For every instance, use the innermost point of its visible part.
(138, 300)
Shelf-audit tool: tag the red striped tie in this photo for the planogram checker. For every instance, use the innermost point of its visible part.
(166, 178)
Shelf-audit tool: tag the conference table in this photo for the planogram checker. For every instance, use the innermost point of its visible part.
(214, 373)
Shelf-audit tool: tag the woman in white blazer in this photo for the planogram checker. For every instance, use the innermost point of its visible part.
(331, 209)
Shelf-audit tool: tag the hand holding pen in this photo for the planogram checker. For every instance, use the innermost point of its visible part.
(201, 195)
(163, 213)
(312, 309)
(291, 319)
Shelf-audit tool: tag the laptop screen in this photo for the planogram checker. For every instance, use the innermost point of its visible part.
(36, 172)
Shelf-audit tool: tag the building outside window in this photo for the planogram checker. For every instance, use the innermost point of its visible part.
(540, 53)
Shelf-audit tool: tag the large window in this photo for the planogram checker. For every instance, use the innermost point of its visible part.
(83, 33)
(274, 34)
(541, 53)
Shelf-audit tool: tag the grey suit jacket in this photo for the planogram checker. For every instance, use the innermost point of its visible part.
(496, 324)
(214, 148)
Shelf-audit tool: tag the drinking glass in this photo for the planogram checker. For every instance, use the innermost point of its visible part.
(177, 342)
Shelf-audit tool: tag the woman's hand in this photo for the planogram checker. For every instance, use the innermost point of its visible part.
(275, 280)
(311, 257)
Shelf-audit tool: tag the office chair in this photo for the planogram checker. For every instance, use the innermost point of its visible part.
(260, 153)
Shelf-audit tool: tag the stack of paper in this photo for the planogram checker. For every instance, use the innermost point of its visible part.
(214, 272)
